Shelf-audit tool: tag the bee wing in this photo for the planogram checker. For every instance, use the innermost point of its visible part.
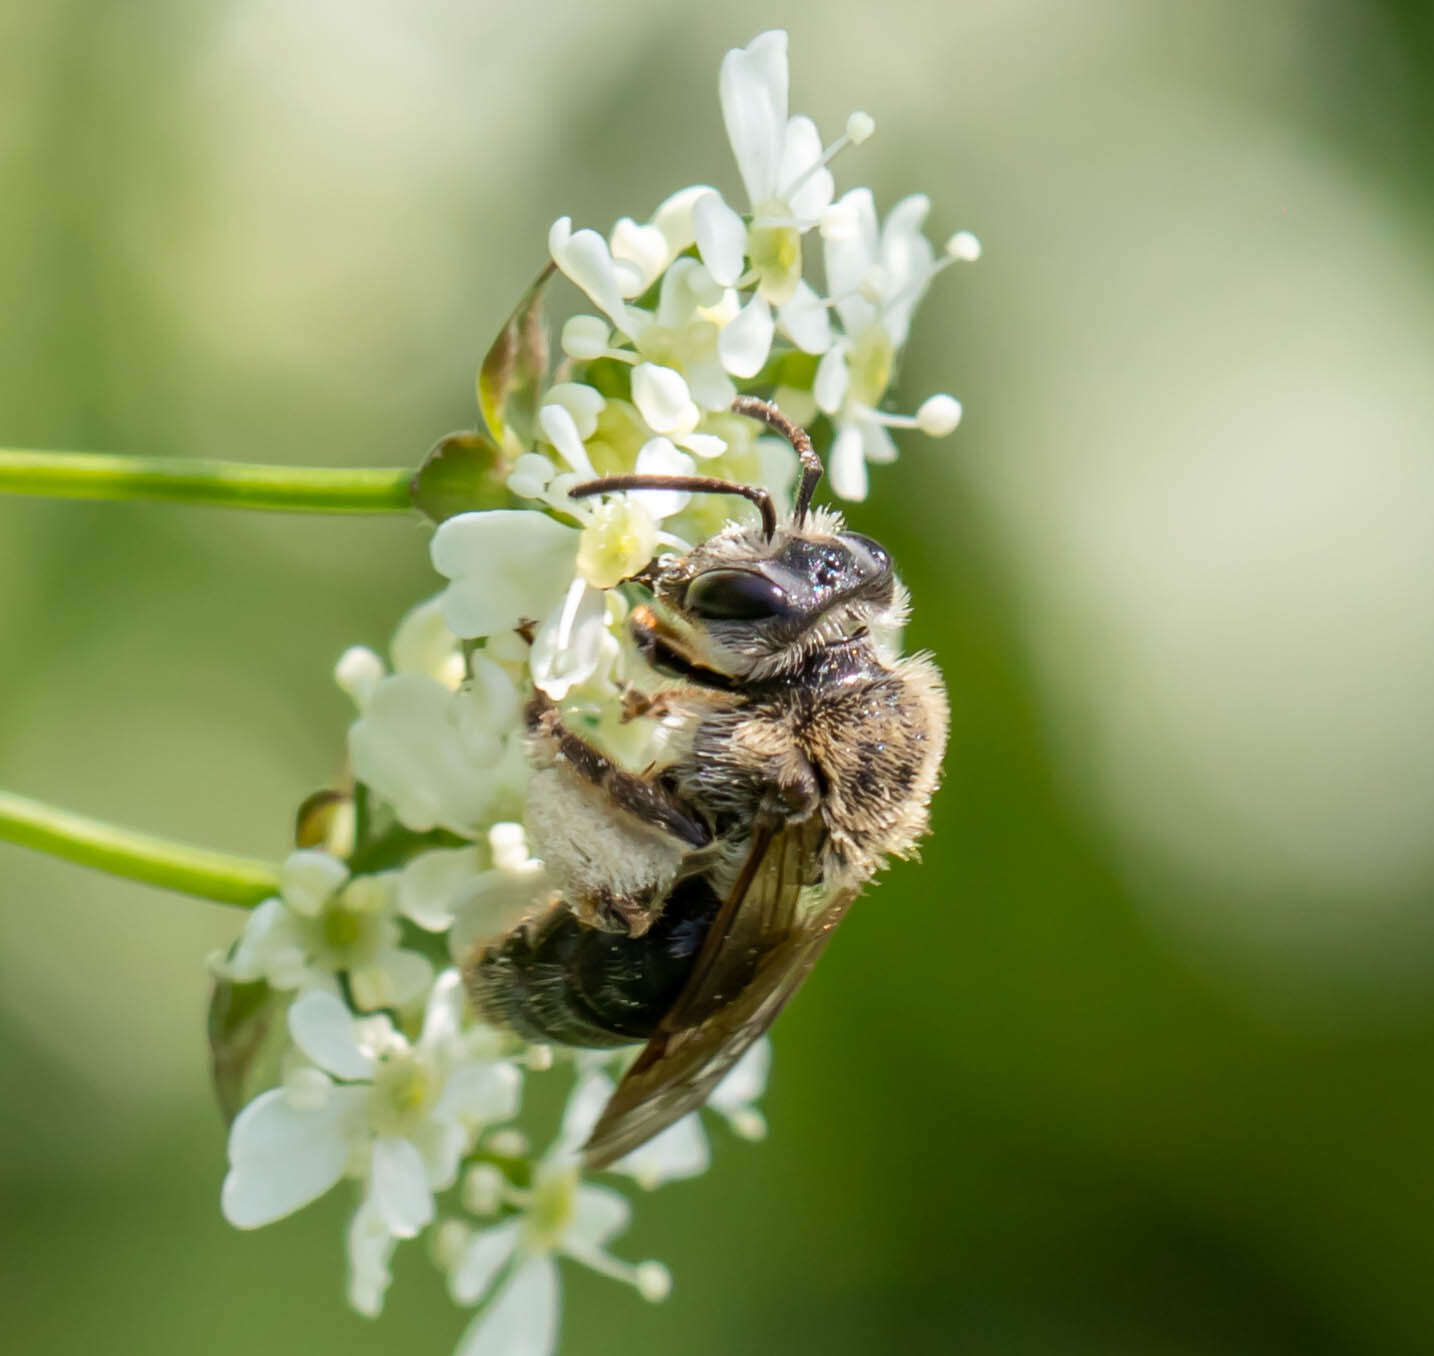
(759, 950)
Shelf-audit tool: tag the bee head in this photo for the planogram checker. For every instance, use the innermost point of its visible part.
(751, 607)
(751, 603)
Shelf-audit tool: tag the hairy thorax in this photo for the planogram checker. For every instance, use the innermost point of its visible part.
(849, 737)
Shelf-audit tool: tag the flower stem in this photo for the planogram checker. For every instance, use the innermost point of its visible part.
(136, 856)
(232, 484)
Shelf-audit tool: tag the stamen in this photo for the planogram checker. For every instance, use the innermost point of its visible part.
(964, 246)
(509, 1143)
(654, 1282)
(859, 126)
(484, 1189)
(937, 416)
(748, 1123)
(651, 1280)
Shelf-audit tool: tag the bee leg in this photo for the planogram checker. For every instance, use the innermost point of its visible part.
(636, 703)
(647, 635)
(649, 800)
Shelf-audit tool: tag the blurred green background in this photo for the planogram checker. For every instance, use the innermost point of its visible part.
(1139, 1059)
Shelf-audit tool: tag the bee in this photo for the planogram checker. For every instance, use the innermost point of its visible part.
(693, 898)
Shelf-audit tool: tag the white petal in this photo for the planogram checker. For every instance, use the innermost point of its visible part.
(561, 430)
(406, 747)
(432, 884)
(745, 343)
(532, 472)
(711, 387)
(407, 975)
(585, 1103)
(270, 928)
(850, 257)
(480, 1093)
(674, 218)
(505, 564)
(877, 445)
(582, 401)
(443, 1013)
(585, 258)
(424, 644)
(282, 1157)
(659, 457)
(323, 1028)
(846, 465)
(568, 646)
(704, 445)
(598, 1215)
(584, 337)
(442, 1145)
(805, 320)
(832, 379)
(523, 1318)
(308, 878)
(752, 88)
(481, 1260)
(721, 239)
(801, 149)
(906, 258)
(677, 302)
(679, 1152)
(644, 247)
(663, 399)
(370, 1249)
(494, 904)
(398, 1186)
(357, 671)
(487, 712)
(747, 1080)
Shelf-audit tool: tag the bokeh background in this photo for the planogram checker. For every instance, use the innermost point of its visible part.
(1140, 1059)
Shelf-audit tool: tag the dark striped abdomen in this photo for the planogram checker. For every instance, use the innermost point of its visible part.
(554, 979)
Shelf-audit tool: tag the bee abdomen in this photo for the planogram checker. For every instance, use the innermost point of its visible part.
(556, 979)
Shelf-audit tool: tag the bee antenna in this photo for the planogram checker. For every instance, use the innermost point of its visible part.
(801, 441)
(686, 484)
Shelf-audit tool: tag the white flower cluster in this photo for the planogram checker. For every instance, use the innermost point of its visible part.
(382, 1075)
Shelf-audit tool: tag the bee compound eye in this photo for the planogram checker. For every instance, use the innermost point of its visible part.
(873, 548)
(735, 595)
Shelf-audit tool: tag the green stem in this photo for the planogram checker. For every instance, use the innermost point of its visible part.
(136, 856)
(233, 484)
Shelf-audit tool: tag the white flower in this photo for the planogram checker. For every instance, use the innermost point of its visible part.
(561, 1216)
(422, 644)
(445, 759)
(323, 923)
(402, 1117)
(692, 311)
(789, 188)
(561, 573)
(877, 276)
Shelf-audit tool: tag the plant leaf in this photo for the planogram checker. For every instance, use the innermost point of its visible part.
(463, 472)
(513, 372)
(247, 1035)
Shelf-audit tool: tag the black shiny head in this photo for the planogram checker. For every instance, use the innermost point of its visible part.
(804, 580)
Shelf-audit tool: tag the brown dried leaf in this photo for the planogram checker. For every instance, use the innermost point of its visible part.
(512, 373)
